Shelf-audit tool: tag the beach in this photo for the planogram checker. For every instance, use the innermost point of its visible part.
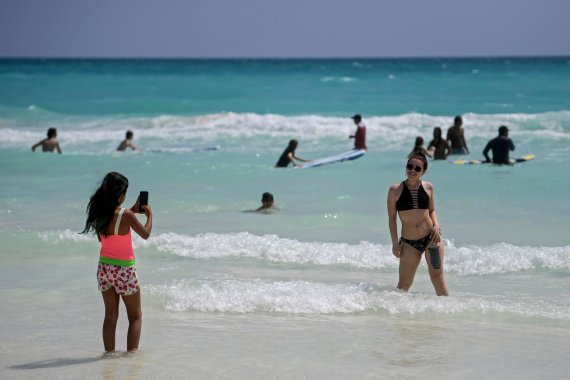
(308, 291)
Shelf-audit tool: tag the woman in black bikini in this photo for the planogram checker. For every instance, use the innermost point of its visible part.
(413, 200)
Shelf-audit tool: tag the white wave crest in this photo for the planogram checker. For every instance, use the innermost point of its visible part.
(273, 248)
(463, 261)
(505, 258)
(305, 297)
(173, 131)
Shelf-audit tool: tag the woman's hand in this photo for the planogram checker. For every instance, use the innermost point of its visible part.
(396, 250)
(435, 235)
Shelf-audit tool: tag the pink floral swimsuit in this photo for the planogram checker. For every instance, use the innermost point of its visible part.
(117, 262)
(123, 279)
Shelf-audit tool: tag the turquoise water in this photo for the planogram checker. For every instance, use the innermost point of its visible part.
(319, 267)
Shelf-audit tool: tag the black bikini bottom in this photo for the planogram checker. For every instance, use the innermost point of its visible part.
(420, 245)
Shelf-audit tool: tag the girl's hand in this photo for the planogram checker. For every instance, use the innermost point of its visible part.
(147, 210)
(396, 249)
(136, 206)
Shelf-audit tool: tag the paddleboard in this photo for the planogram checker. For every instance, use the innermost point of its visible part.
(513, 161)
(346, 156)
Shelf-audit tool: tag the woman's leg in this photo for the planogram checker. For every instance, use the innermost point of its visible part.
(134, 312)
(436, 275)
(111, 301)
(409, 262)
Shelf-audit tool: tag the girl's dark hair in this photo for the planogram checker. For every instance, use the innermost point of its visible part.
(419, 156)
(102, 204)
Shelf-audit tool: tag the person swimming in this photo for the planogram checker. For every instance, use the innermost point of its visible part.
(127, 142)
(50, 143)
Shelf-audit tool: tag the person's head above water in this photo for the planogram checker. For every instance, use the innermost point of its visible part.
(129, 135)
(51, 133)
(437, 132)
(419, 141)
(292, 144)
(357, 118)
(503, 130)
(458, 121)
(267, 200)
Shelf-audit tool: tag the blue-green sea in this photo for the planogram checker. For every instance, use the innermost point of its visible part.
(307, 291)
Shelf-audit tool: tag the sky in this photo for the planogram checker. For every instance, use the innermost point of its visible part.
(283, 28)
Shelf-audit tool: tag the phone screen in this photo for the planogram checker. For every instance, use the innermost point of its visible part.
(143, 199)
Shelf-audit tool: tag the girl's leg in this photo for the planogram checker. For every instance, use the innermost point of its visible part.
(111, 301)
(436, 275)
(409, 262)
(134, 312)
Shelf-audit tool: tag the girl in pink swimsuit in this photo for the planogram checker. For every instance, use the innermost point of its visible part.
(116, 273)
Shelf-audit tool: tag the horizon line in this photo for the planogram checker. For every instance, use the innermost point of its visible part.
(261, 58)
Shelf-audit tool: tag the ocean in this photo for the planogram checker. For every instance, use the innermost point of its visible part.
(308, 291)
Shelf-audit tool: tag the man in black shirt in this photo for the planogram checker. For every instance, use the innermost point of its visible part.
(500, 145)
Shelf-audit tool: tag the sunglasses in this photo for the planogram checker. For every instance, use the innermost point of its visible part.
(416, 168)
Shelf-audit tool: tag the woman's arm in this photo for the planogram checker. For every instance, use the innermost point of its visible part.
(392, 223)
(435, 233)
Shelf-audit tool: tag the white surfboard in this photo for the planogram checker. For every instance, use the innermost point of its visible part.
(346, 156)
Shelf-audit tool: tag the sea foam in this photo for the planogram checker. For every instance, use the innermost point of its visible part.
(230, 128)
(468, 260)
(307, 297)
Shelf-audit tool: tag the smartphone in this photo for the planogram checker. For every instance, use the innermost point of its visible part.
(143, 200)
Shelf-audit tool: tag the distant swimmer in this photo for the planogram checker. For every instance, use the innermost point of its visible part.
(500, 145)
(50, 143)
(288, 156)
(127, 142)
(456, 137)
(360, 134)
(267, 204)
(439, 147)
(419, 148)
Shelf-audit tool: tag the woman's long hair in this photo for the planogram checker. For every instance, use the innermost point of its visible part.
(102, 204)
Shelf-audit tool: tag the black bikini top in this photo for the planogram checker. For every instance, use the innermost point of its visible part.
(412, 199)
